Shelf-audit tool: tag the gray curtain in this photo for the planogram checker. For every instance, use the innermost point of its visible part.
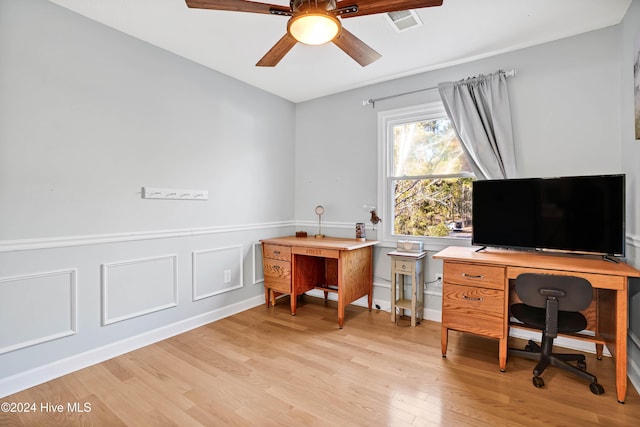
(479, 109)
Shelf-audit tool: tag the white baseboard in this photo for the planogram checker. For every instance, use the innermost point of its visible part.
(633, 373)
(563, 342)
(33, 377)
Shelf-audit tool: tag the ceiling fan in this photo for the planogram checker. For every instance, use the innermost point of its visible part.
(316, 22)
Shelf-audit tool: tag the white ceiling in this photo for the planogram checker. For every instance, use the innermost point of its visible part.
(456, 32)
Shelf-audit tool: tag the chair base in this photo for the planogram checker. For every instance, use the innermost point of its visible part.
(545, 357)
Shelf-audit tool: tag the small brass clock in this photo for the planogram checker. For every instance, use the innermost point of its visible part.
(319, 212)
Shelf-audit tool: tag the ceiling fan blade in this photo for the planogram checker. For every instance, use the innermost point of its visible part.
(370, 7)
(277, 52)
(356, 48)
(236, 6)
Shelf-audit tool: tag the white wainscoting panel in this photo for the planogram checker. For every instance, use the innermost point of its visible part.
(137, 287)
(216, 271)
(36, 308)
(258, 270)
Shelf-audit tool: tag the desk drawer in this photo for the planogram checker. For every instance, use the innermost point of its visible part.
(473, 309)
(484, 276)
(319, 252)
(601, 281)
(277, 252)
(407, 266)
(277, 275)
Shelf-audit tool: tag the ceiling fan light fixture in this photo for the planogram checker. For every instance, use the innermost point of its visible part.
(313, 28)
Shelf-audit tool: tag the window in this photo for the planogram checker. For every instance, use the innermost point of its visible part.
(425, 176)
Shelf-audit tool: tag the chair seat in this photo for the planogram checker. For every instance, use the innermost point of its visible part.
(534, 317)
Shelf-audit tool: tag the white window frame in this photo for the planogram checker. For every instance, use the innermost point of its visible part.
(386, 120)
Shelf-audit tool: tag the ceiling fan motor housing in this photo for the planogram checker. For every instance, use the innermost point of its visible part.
(312, 5)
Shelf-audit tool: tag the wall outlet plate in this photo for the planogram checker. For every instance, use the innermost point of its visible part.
(438, 280)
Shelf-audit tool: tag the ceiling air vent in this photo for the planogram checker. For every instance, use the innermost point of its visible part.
(404, 20)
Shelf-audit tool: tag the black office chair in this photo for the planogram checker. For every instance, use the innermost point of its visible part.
(552, 303)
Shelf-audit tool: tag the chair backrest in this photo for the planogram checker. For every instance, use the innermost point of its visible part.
(576, 292)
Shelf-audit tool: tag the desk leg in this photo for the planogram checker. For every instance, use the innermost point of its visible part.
(370, 278)
(340, 308)
(341, 289)
(621, 378)
(444, 340)
(621, 345)
(502, 354)
(294, 283)
(294, 301)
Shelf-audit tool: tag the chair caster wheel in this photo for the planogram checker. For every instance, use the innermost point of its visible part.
(582, 365)
(538, 382)
(596, 388)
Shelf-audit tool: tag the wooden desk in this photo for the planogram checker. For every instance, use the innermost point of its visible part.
(475, 296)
(295, 265)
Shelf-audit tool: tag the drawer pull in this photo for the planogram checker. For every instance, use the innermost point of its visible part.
(471, 276)
(276, 252)
(471, 298)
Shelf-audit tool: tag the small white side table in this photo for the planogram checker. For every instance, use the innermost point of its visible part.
(407, 264)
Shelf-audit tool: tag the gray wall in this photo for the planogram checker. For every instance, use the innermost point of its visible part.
(88, 116)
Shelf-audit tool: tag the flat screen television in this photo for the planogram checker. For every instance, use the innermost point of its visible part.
(581, 214)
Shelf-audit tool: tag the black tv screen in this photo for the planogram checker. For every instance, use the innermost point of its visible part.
(584, 214)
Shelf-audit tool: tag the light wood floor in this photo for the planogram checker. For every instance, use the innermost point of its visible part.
(264, 367)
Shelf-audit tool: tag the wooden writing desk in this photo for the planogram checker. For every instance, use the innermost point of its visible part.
(475, 297)
(295, 265)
